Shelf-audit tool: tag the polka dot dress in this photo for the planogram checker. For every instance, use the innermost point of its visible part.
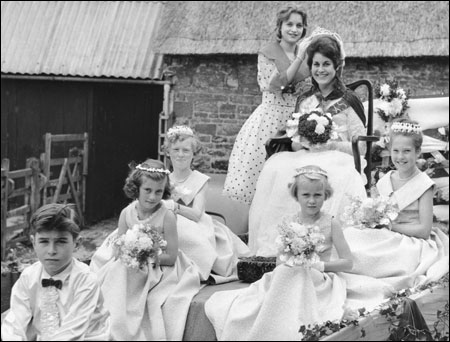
(249, 154)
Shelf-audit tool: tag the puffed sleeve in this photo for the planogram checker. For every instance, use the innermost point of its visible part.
(15, 325)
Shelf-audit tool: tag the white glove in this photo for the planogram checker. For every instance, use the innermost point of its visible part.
(320, 266)
(169, 204)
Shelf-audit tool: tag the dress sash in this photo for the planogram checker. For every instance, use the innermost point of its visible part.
(409, 192)
(187, 191)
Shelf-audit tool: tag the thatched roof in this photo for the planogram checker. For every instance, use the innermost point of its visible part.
(369, 29)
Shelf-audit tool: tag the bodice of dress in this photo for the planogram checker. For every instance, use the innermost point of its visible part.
(407, 197)
(156, 219)
(348, 124)
(279, 99)
(185, 192)
(324, 223)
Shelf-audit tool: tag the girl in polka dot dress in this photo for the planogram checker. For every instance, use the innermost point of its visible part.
(282, 71)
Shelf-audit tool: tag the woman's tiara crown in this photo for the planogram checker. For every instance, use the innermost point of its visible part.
(177, 130)
(406, 127)
(152, 169)
(308, 171)
(320, 31)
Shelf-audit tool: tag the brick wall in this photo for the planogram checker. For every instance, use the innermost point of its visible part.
(215, 94)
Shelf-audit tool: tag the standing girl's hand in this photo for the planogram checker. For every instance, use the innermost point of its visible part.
(301, 48)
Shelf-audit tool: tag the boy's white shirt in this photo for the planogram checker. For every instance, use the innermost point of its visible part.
(80, 304)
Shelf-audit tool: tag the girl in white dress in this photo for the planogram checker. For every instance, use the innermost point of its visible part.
(149, 303)
(213, 247)
(274, 307)
(281, 73)
(410, 252)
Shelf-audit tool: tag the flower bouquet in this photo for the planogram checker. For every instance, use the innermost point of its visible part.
(376, 212)
(316, 127)
(138, 245)
(393, 100)
(299, 244)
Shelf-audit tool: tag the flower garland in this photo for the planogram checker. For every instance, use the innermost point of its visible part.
(391, 310)
(179, 130)
(393, 100)
(316, 126)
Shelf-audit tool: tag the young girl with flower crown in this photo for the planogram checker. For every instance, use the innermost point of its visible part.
(410, 252)
(298, 292)
(149, 302)
(211, 245)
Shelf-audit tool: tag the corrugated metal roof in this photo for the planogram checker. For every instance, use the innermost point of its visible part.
(81, 38)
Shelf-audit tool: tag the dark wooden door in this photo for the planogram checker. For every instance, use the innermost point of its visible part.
(125, 129)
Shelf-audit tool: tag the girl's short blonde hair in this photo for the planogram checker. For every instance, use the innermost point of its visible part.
(311, 173)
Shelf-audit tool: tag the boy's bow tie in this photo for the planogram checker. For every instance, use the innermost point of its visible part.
(52, 282)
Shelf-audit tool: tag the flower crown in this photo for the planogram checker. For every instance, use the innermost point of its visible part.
(406, 127)
(308, 171)
(152, 169)
(177, 130)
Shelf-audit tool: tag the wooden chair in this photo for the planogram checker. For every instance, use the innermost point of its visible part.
(281, 142)
(369, 137)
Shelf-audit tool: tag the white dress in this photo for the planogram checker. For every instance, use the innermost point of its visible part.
(272, 198)
(274, 307)
(248, 154)
(211, 245)
(149, 304)
(398, 260)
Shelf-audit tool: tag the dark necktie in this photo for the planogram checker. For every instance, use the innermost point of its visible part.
(52, 282)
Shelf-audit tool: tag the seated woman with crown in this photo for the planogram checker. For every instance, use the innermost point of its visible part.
(328, 118)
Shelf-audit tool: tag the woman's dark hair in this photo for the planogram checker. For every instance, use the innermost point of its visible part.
(327, 47)
(55, 216)
(134, 179)
(284, 14)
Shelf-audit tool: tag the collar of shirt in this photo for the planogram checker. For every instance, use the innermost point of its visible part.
(63, 276)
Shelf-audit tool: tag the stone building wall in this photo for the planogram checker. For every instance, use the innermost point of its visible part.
(215, 94)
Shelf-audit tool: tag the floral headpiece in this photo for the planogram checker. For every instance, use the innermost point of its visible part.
(308, 171)
(406, 127)
(177, 130)
(152, 169)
